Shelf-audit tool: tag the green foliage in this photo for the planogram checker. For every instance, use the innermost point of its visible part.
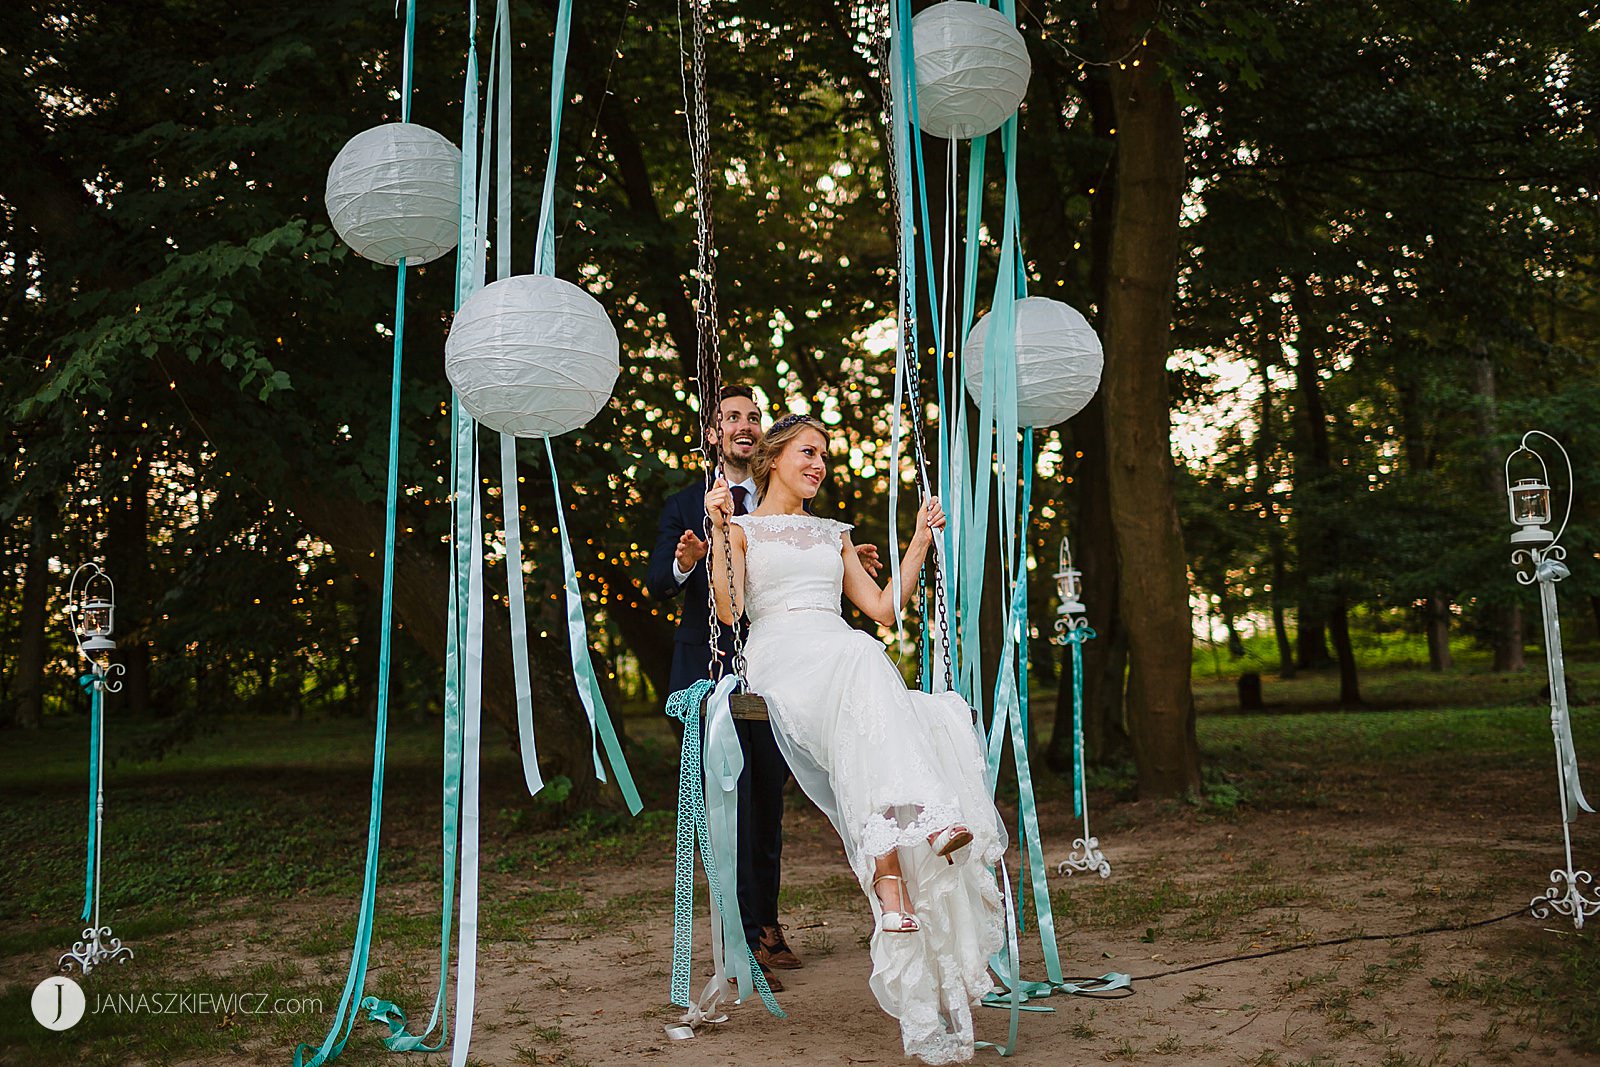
(195, 372)
(1389, 227)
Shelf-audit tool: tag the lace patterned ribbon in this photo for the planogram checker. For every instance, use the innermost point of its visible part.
(712, 783)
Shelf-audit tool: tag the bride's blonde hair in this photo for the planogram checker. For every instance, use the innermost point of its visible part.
(773, 443)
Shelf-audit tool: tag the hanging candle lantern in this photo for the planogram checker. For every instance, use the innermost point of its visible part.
(1530, 510)
(972, 68)
(532, 356)
(1069, 583)
(1058, 361)
(393, 193)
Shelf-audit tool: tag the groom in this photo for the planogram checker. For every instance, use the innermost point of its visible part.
(678, 565)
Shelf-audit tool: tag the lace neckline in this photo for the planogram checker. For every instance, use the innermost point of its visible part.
(788, 519)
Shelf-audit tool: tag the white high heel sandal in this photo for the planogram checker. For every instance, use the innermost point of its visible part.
(950, 840)
(896, 922)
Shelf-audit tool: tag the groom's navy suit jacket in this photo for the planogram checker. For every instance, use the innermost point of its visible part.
(691, 656)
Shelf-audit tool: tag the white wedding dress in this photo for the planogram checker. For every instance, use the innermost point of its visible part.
(889, 766)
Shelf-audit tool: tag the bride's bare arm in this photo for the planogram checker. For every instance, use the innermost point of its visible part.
(730, 601)
(875, 601)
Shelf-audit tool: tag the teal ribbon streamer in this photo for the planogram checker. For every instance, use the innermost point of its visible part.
(509, 497)
(594, 703)
(900, 144)
(1008, 965)
(512, 512)
(96, 758)
(350, 999)
(1113, 985)
(1021, 579)
(723, 758)
(601, 730)
(1075, 638)
(1004, 453)
(684, 705)
(693, 824)
(468, 277)
(467, 623)
(967, 492)
(467, 937)
(545, 252)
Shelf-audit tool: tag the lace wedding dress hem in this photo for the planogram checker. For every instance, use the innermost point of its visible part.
(890, 767)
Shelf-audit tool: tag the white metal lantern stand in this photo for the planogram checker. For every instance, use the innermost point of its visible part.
(1538, 559)
(1074, 630)
(91, 608)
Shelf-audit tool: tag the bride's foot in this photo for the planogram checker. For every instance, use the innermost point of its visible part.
(950, 840)
(897, 918)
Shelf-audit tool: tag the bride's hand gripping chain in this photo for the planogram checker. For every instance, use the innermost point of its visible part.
(726, 548)
(719, 504)
(930, 517)
(875, 601)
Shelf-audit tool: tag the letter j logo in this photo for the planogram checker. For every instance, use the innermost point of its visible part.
(58, 1003)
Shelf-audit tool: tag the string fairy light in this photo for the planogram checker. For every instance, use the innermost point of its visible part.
(1122, 62)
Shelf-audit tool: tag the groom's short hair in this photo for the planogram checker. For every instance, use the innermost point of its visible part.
(737, 390)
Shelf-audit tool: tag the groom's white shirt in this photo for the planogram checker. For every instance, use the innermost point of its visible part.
(752, 498)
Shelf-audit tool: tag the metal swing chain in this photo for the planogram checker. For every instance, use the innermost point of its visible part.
(907, 313)
(708, 340)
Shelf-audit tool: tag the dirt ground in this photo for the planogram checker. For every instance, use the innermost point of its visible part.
(575, 956)
(1185, 889)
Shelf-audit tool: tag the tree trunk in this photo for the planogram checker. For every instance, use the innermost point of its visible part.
(1339, 630)
(1311, 634)
(1152, 571)
(1316, 488)
(1505, 620)
(1105, 659)
(1420, 457)
(1438, 623)
(1229, 623)
(29, 682)
(1280, 628)
(1266, 448)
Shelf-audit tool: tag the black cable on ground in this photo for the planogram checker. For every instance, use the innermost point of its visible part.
(1455, 927)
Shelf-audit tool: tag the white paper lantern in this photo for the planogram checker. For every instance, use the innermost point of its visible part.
(972, 68)
(1058, 361)
(393, 193)
(532, 356)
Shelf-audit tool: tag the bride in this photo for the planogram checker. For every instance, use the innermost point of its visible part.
(898, 772)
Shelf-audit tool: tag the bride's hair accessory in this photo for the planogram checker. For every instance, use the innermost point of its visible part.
(791, 419)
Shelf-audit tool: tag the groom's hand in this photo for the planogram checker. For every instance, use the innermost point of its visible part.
(690, 550)
(868, 555)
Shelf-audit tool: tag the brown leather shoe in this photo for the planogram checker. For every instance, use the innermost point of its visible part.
(774, 951)
(772, 979)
